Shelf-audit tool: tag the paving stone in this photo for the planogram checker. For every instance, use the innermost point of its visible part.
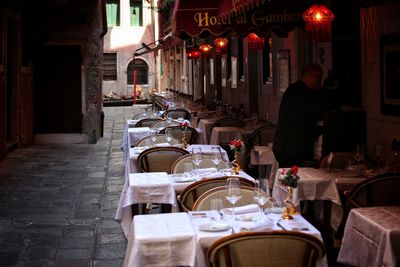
(77, 242)
(110, 251)
(74, 253)
(108, 263)
(112, 238)
(73, 263)
(40, 253)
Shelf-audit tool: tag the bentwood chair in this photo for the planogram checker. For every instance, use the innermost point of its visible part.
(272, 248)
(192, 192)
(160, 139)
(177, 113)
(263, 135)
(159, 159)
(203, 202)
(161, 125)
(179, 164)
(191, 134)
(229, 122)
(144, 115)
(147, 122)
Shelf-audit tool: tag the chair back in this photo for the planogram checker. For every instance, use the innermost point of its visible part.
(191, 193)
(191, 134)
(177, 113)
(229, 122)
(147, 122)
(159, 159)
(203, 202)
(159, 139)
(272, 248)
(263, 135)
(161, 125)
(339, 160)
(381, 190)
(179, 164)
(146, 114)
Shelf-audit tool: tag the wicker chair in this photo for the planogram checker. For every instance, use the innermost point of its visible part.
(179, 164)
(144, 115)
(161, 125)
(203, 201)
(263, 135)
(159, 139)
(178, 113)
(147, 122)
(229, 122)
(259, 249)
(191, 134)
(159, 159)
(191, 193)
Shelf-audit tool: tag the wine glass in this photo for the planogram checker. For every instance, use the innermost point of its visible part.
(232, 193)
(260, 197)
(359, 154)
(188, 169)
(216, 207)
(153, 133)
(197, 158)
(216, 156)
(168, 135)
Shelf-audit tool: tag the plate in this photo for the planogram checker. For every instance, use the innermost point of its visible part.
(214, 227)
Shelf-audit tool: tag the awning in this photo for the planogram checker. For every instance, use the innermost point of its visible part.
(151, 47)
(201, 18)
(234, 7)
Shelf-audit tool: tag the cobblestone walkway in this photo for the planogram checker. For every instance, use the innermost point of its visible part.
(57, 202)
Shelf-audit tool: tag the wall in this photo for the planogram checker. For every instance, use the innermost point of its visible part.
(375, 21)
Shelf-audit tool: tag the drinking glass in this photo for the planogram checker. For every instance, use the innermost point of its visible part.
(188, 169)
(216, 156)
(216, 207)
(153, 133)
(232, 193)
(359, 154)
(260, 197)
(168, 135)
(197, 158)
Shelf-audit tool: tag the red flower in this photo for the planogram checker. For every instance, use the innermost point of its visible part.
(294, 169)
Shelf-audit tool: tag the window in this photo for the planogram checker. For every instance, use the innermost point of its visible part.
(136, 11)
(109, 66)
(142, 72)
(113, 13)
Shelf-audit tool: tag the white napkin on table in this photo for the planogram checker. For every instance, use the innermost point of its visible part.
(243, 209)
(206, 170)
(256, 226)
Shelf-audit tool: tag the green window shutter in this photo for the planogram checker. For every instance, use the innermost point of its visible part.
(112, 11)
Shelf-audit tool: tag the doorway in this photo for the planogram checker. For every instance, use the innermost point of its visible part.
(58, 89)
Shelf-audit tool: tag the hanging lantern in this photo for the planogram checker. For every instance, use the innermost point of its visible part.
(192, 53)
(205, 49)
(318, 20)
(220, 45)
(255, 42)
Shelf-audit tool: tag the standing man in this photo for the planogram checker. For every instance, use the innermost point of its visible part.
(303, 104)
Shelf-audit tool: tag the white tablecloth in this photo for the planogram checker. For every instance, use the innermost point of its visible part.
(131, 137)
(176, 238)
(317, 184)
(161, 240)
(372, 237)
(205, 126)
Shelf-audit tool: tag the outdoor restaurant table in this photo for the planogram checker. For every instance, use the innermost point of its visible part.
(205, 127)
(263, 155)
(317, 184)
(175, 239)
(153, 187)
(372, 237)
(131, 137)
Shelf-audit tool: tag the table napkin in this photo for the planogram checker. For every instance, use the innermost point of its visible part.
(243, 209)
(206, 170)
(256, 226)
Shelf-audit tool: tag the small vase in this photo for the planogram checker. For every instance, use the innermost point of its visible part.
(235, 164)
(290, 208)
(183, 140)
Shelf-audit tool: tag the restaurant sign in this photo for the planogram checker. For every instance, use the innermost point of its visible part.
(203, 22)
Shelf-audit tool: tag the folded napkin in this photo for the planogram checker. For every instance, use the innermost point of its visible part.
(243, 209)
(206, 170)
(214, 175)
(163, 144)
(256, 226)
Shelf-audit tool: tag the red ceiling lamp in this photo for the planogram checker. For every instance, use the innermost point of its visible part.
(206, 49)
(255, 42)
(318, 20)
(220, 45)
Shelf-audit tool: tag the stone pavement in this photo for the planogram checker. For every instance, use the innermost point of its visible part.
(57, 202)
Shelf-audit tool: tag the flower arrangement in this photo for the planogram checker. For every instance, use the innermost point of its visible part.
(289, 177)
(184, 126)
(236, 146)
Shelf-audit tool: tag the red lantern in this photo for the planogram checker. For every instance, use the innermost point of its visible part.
(318, 20)
(255, 42)
(205, 49)
(192, 53)
(189, 54)
(220, 45)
